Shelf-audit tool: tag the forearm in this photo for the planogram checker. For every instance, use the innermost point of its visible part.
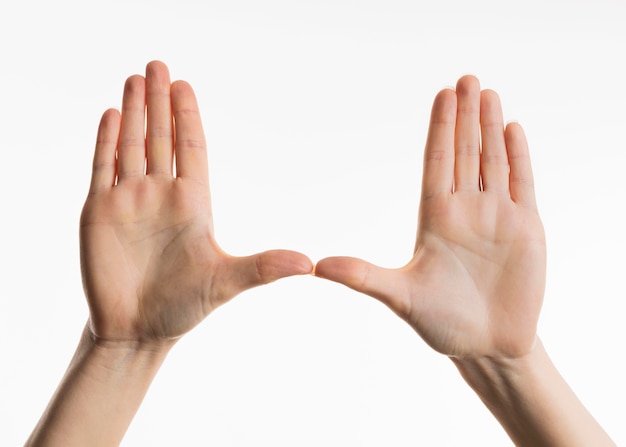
(99, 394)
(532, 401)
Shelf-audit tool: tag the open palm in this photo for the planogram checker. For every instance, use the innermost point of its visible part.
(151, 267)
(476, 281)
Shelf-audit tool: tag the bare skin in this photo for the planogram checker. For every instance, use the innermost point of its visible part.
(474, 287)
(153, 231)
(152, 269)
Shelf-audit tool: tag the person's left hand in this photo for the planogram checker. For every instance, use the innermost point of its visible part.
(475, 285)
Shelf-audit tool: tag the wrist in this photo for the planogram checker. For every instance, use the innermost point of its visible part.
(513, 389)
(100, 392)
(487, 374)
(124, 360)
(147, 348)
(531, 400)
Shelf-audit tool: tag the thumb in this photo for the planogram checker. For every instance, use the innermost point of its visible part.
(386, 285)
(263, 268)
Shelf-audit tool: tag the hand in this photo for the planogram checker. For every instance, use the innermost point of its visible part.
(476, 281)
(151, 267)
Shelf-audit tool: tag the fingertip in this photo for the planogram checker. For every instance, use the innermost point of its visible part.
(444, 108)
(157, 78)
(108, 129)
(156, 65)
(516, 139)
(109, 114)
(134, 84)
(467, 82)
(445, 94)
(446, 98)
(302, 264)
(490, 96)
(181, 87)
(349, 271)
(275, 264)
(386, 285)
(321, 267)
(514, 125)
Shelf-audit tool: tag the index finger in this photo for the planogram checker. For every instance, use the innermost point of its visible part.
(190, 144)
(438, 174)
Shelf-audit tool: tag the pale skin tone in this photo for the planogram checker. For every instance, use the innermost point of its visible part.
(476, 280)
(152, 269)
(474, 287)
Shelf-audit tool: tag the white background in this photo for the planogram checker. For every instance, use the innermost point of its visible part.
(316, 114)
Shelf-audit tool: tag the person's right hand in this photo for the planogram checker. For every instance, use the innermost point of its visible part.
(151, 267)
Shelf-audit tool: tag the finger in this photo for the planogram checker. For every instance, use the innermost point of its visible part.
(191, 155)
(104, 164)
(159, 131)
(386, 285)
(439, 152)
(521, 181)
(467, 135)
(132, 145)
(494, 163)
(263, 268)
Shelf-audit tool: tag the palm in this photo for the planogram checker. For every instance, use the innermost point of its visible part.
(473, 276)
(475, 284)
(158, 249)
(151, 267)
